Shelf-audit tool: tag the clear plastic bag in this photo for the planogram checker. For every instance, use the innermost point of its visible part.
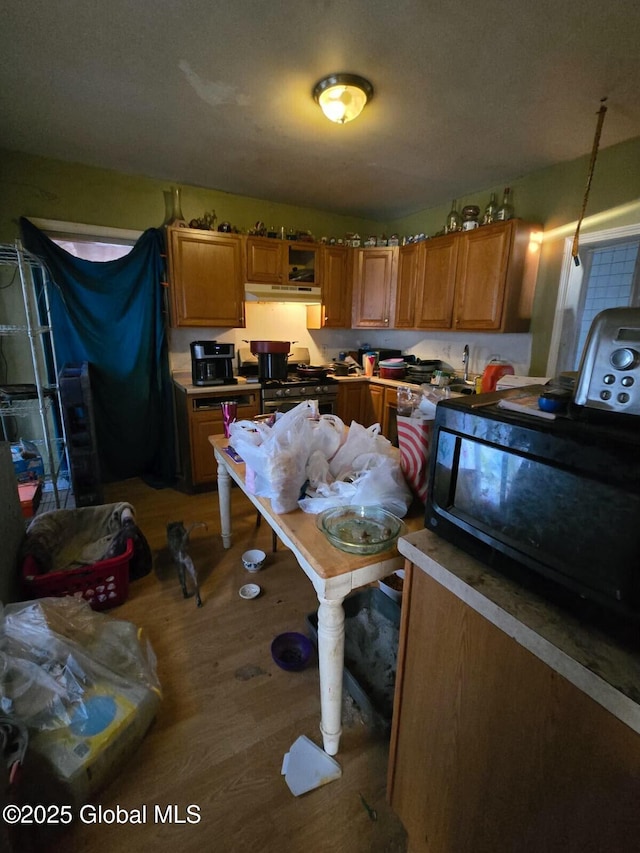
(56, 652)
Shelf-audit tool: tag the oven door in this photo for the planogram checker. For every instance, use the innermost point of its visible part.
(326, 405)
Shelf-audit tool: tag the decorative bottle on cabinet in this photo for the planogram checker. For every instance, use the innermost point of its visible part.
(505, 211)
(454, 220)
(490, 211)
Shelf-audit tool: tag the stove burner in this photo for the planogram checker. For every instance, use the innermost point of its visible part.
(296, 381)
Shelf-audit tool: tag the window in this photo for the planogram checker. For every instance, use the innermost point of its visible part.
(91, 242)
(608, 277)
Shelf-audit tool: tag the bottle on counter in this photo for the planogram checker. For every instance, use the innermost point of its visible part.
(505, 211)
(490, 210)
(454, 220)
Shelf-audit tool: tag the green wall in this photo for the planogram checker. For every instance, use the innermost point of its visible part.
(51, 189)
(42, 188)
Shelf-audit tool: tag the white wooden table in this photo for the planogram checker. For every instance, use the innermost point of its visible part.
(333, 573)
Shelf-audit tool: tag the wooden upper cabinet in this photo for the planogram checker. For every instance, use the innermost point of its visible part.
(483, 259)
(336, 287)
(410, 275)
(206, 278)
(435, 298)
(374, 284)
(496, 275)
(481, 280)
(266, 260)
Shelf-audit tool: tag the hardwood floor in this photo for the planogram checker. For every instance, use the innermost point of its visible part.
(229, 714)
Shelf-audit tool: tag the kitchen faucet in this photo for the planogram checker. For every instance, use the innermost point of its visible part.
(465, 363)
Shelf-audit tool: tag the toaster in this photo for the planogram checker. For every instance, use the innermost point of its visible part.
(609, 372)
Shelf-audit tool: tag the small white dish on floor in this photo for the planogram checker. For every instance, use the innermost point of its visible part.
(249, 590)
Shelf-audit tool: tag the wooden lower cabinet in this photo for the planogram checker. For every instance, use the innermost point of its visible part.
(492, 751)
(368, 403)
(389, 423)
(350, 400)
(373, 404)
(197, 417)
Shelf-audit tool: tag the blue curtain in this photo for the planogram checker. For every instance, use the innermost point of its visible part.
(110, 314)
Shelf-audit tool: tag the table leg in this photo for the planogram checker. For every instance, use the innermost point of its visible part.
(224, 500)
(331, 663)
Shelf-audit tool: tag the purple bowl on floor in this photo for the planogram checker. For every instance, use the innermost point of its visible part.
(291, 651)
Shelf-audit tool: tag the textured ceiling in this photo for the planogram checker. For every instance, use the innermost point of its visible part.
(219, 95)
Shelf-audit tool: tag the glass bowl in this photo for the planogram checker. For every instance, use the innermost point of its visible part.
(360, 529)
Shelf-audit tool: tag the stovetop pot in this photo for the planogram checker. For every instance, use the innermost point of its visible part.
(272, 365)
(258, 347)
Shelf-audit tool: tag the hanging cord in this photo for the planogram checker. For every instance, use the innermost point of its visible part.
(592, 166)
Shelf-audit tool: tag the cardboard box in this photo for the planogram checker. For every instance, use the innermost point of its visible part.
(28, 467)
(30, 495)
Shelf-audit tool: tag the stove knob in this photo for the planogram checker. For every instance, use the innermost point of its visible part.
(279, 392)
(287, 392)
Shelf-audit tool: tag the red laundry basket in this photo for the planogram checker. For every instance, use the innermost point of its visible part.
(103, 584)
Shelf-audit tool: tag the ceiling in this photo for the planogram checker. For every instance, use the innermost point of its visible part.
(218, 95)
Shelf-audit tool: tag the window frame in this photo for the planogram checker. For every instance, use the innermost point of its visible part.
(572, 277)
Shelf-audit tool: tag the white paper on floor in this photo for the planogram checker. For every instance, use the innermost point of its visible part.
(307, 766)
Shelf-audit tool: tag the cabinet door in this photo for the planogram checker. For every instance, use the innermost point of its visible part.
(373, 405)
(389, 423)
(203, 462)
(336, 287)
(479, 720)
(349, 404)
(206, 278)
(303, 265)
(373, 285)
(436, 287)
(265, 260)
(483, 256)
(410, 278)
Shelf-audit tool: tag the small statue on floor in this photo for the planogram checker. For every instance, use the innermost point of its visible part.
(178, 540)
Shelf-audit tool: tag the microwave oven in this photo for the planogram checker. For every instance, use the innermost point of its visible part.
(555, 503)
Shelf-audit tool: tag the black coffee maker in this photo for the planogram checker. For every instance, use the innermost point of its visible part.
(212, 363)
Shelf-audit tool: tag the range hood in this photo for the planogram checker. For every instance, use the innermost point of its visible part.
(307, 293)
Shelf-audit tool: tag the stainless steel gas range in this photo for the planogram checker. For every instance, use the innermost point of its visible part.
(280, 395)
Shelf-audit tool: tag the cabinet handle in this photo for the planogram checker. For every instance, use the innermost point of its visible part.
(386, 319)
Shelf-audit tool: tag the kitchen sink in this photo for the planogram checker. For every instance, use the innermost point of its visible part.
(461, 386)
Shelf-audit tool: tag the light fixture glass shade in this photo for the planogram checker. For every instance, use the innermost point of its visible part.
(342, 97)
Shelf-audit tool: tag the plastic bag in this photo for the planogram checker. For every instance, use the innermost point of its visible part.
(278, 455)
(365, 471)
(414, 436)
(56, 653)
(359, 440)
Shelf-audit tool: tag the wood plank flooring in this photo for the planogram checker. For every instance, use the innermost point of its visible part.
(229, 714)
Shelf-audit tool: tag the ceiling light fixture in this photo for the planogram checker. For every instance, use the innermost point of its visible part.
(342, 97)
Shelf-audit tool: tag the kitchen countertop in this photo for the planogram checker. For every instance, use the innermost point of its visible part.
(595, 663)
(183, 380)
